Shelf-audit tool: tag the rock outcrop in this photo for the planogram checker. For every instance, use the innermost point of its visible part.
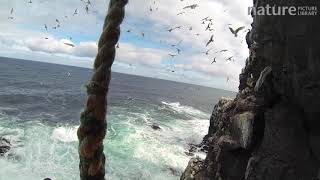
(271, 130)
(4, 146)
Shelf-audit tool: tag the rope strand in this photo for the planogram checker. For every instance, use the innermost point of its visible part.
(93, 123)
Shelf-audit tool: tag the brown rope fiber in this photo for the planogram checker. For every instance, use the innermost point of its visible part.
(93, 125)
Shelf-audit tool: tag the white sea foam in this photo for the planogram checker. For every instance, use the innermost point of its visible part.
(65, 134)
(176, 106)
(134, 150)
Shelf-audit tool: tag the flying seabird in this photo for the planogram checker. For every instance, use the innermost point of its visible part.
(172, 55)
(75, 12)
(178, 50)
(210, 40)
(171, 29)
(174, 45)
(207, 52)
(193, 6)
(11, 12)
(214, 61)
(87, 9)
(235, 32)
(69, 44)
(230, 58)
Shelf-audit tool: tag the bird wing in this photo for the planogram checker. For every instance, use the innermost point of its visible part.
(208, 43)
(191, 6)
(194, 6)
(233, 32)
(239, 29)
(187, 7)
(11, 10)
(69, 44)
(211, 40)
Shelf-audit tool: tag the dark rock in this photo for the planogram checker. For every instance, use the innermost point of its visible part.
(4, 146)
(174, 171)
(155, 127)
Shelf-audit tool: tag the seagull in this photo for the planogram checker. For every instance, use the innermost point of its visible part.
(207, 52)
(221, 51)
(87, 9)
(46, 38)
(205, 19)
(193, 6)
(174, 45)
(197, 34)
(69, 44)
(57, 21)
(178, 50)
(210, 40)
(214, 61)
(150, 9)
(190, 28)
(30, 2)
(75, 12)
(129, 30)
(142, 34)
(235, 32)
(208, 27)
(170, 30)
(180, 13)
(172, 55)
(46, 27)
(230, 58)
(11, 12)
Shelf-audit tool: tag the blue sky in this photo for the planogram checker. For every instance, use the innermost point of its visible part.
(24, 37)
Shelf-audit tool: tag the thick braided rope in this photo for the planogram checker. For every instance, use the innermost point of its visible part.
(93, 124)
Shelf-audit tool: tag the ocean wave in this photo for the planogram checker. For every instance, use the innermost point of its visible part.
(65, 134)
(176, 106)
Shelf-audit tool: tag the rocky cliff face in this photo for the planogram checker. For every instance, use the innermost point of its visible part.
(271, 130)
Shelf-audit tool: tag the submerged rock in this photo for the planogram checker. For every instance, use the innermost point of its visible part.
(4, 146)
(155, 127)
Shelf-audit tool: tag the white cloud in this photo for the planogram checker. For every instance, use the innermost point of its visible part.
(26, 32)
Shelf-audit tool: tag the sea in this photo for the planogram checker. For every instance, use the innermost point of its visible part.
(40, 106)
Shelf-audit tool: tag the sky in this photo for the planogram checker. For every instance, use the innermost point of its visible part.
(23, 35)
